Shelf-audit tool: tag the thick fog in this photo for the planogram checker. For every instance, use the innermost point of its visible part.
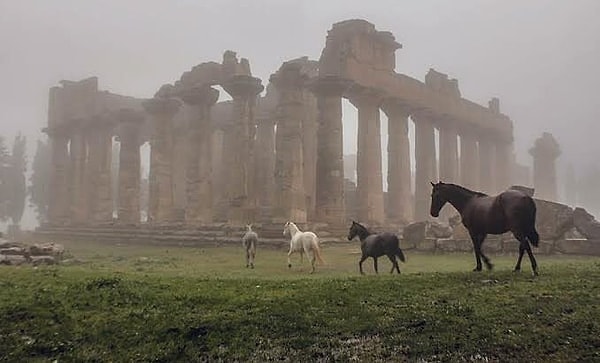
(540, 57)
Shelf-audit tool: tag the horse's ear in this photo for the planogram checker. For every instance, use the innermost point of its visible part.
(433, 185)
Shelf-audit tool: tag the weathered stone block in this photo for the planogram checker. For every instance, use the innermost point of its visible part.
(492, 244)
(586, 224)
(43, 260)
(544, 248)
(12, 260)
(414, 233)
(453, 245)
(426, 244)
(13, 251)
(510, 245)
(553, 220)
(579, 247)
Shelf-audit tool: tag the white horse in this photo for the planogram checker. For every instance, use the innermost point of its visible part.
(249, 241)
(303, 242)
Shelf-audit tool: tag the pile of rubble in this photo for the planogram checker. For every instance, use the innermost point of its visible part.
(15, 253)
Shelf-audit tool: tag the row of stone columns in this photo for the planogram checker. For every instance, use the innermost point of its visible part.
(295, 173)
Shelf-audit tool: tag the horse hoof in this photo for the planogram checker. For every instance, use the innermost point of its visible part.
(535, 274)
(477, 269)
(290, 265)
(252, 266)
(517, 270)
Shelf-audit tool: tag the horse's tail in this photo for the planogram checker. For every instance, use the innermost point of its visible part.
(399, 252)
(317, 251)
(533, 236)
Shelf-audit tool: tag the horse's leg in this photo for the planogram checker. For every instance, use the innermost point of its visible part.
(532, 260)
(312, 259)
(488, 263)
(362, 259)
(375, 264)
(289, 260)
(521, 251)
(252, 255)
(394, 263)
(247, 257)
(477, 250)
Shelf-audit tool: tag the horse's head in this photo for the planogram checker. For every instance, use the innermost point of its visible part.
(353, 232)
(286, 229)
(438, 199)
(248, 227)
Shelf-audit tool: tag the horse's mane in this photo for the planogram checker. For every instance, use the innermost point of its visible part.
(460, 187)
(364, 228)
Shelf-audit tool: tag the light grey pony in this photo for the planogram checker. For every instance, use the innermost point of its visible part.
(249, 241)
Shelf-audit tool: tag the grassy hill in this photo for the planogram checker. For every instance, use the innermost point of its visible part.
(122, 303)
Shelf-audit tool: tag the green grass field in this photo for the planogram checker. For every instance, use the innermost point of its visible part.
(133, 303)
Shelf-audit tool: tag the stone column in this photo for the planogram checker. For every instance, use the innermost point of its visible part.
(98, 178)
(504, 158)
(448, 152)
(290, 197)
(330, 165)
(162, 201)
(400, 206)
(77, 151)
(469, 160)
(486, 165)
(199, 159)
(265, 167)
(244, 90)
(309, 152)
(369, 188)
(58, 203)
(130, 123)
(425, 167)
(545, 152)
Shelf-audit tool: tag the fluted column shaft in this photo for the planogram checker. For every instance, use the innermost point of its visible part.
(98, 172)
(162, 199)
(425, 168)
(265, 167)
(309, 152)
(77, 188)
(330, 207)
(448, 152)
(58, 203)
(469, 160)
(504, 159)
(199, 166)
(289, 177)
(400, 206)
(486, 166)
(129, 167)
(244, 90)
(368, 158)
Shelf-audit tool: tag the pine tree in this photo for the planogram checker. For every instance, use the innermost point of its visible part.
(17, 183)
(39, 180)
(4, 182)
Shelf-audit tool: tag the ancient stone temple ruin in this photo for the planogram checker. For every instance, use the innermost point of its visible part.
(271, 156)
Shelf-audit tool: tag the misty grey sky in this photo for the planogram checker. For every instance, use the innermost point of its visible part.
(540, 57)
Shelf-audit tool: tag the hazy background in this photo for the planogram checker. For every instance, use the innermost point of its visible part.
(538, 56)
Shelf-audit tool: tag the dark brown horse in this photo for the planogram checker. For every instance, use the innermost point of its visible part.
(376, 245)
(511, 210)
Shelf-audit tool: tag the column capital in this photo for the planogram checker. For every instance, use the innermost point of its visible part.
(162, 106)
(289, 76)
(329, 86)
(545, 146)
(361, 96)
(394, 108)
(200, 96)
(243, 86)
